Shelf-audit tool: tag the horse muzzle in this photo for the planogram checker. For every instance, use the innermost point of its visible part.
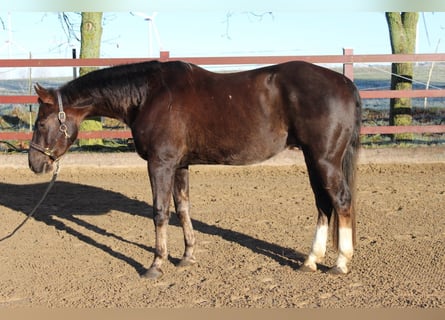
(40, 159)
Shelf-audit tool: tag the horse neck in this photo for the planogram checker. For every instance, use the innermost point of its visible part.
(93, 102)
(116, 92)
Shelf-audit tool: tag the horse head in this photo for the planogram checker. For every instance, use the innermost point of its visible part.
(55, 129)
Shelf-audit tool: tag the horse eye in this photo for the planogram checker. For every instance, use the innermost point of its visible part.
(41, 124)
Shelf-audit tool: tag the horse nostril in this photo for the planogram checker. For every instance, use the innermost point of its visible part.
(47, 167)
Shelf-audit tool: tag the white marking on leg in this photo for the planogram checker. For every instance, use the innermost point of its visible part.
(320, 240)
(345, 249)
(318, 250)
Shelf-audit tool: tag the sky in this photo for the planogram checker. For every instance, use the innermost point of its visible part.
(225, 28)
(219, 33)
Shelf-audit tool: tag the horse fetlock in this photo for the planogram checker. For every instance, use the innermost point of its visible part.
(341, 266)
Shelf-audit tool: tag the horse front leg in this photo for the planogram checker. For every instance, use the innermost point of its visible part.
(161, 180)
(182, 206)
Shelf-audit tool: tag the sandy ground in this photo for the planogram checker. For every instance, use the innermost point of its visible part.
(93, 235)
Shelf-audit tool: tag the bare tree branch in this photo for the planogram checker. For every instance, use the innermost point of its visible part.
(227, 22)
(69, 28)
(259, 16)
(252, 16)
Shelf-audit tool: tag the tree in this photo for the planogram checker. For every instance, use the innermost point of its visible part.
(91, 36)
(403, 32)
(90, 39)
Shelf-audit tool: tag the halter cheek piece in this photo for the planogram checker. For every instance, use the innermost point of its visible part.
(62, 129)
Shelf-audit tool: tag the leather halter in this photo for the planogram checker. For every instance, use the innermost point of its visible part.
(62, 129)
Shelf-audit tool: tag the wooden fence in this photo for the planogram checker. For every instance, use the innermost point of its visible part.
(348, 59)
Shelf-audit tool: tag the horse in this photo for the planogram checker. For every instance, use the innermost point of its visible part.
(181, 114)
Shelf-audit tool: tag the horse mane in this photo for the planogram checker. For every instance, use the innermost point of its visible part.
(123, 85)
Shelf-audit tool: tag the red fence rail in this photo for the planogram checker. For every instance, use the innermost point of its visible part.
(347, 60)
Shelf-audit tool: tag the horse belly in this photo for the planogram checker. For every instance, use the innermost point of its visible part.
(238, 149)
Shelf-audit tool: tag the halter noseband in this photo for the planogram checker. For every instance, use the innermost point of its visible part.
(62, 128)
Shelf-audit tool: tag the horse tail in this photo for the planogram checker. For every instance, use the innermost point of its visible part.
(349, 167)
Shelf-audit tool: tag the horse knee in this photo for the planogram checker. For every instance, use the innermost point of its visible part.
(160, 217)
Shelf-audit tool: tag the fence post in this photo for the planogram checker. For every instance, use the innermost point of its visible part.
(164, 56)
(74, 55)
(348, 67)
(30, 93)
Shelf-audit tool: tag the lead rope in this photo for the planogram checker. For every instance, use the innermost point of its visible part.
(50, 185)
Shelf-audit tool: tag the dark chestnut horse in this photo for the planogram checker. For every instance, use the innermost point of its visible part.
(181, 114)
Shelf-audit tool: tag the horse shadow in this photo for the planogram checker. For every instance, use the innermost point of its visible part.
(70, 200)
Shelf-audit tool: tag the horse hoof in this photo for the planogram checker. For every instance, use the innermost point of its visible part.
(306, 268)
(186, 262)
(337, 271)
(309, 265)
(153, 273)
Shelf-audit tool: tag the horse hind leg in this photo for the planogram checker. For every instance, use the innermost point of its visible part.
(344, 229)
(182, 206)
(334, 198)
(324, 206)
(344, 221)
(318, 250)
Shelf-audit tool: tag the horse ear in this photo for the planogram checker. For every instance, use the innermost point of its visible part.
(44, 94)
